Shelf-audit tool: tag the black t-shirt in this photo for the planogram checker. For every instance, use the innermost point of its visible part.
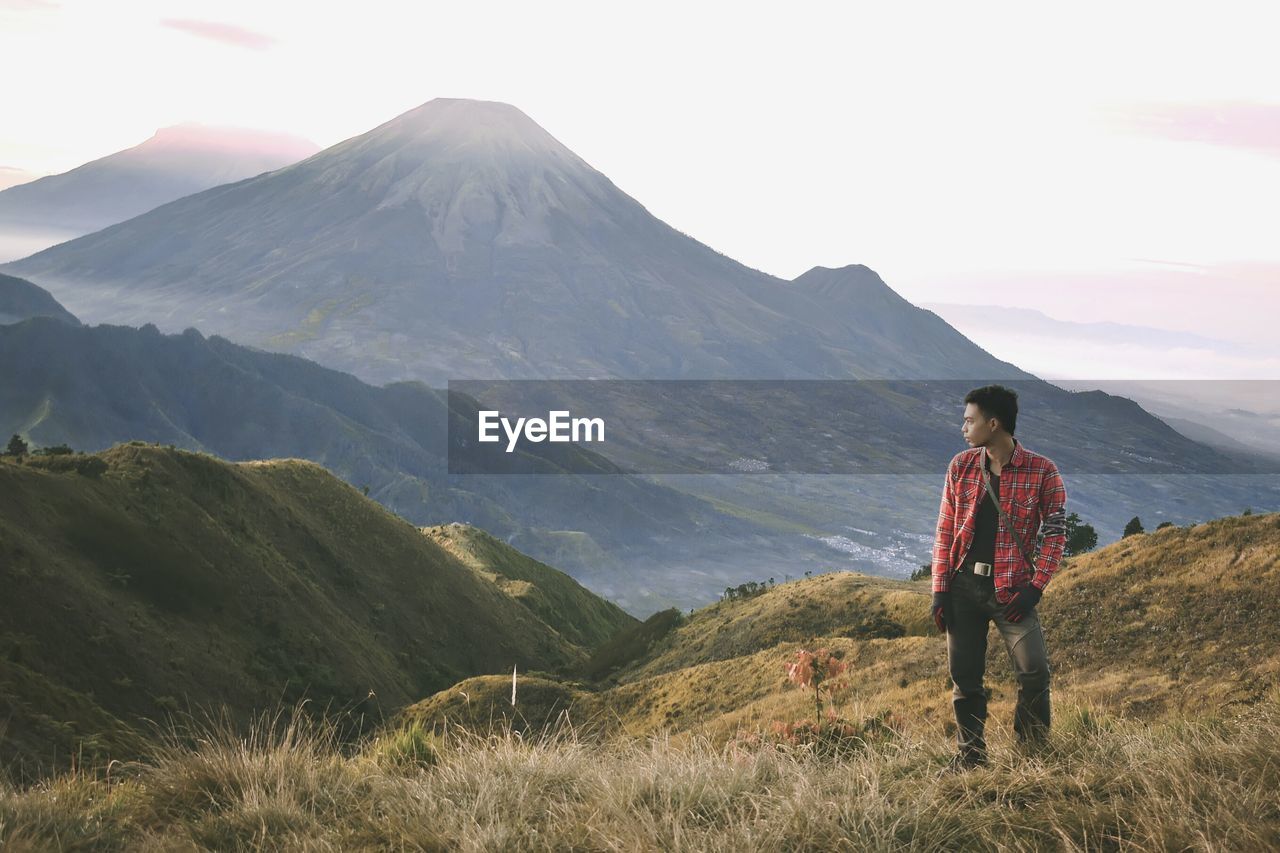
(984, 533)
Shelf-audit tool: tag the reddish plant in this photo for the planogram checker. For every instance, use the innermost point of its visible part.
(818, 669)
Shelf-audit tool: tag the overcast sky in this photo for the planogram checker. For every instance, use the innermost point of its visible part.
(1109, 162)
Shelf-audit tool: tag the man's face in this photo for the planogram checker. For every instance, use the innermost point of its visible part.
(977, 428)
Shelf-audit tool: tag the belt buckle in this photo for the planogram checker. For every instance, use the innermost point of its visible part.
(981, 568)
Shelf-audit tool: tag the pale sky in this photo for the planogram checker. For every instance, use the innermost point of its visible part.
(1110, 161)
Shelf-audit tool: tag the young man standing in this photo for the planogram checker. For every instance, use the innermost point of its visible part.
(981, 571)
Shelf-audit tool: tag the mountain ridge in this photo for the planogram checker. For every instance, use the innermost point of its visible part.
(141, 578)
(20, 300)
(174, 162)
(93, 386)
(462, 239)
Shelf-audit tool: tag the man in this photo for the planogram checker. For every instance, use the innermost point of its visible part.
(982, 572)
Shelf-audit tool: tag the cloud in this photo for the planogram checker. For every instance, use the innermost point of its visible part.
(1251, 125)
(1233, 301)
(1052, 348)
(11, 176)
(225, 33)
(1030, 322)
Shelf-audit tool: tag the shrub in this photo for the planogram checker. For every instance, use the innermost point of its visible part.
(53, 450)
(1081, 537)
(411, 745)
(817, 668)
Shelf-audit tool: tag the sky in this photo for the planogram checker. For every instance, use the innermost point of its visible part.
(1096, 162)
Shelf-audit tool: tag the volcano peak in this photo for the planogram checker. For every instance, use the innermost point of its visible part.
(471, 125)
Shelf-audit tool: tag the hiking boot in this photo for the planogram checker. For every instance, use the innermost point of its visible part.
(1032, 747)
(966, 761)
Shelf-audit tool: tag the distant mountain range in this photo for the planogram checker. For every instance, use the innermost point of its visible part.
(461, 240)
(11, 176)
(175, 162)
(94, 386)
(1240, 416)
(644, 542)
(1235, 414)
(1028, 321)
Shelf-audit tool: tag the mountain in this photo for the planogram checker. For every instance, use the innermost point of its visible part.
(1216, 439)
(20, 299)
(11, 176)
(141, 580)
(1240, 416)
(462, 239)
(1028, 321)
(176, 161)
(93, 386)
(853, 302)
(648, 542)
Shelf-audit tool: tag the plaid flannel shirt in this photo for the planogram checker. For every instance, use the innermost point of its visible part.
(1034, 497)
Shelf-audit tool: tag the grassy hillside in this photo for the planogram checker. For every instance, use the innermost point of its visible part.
(143, 579)
(836, 604)
(1156, 626)
(582, 617)
(1185, 614)
(1166, 730)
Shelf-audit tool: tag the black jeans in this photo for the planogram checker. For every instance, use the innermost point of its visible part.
(973, 606)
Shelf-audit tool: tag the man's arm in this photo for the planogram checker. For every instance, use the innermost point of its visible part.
(945, 533)
(1053, 527)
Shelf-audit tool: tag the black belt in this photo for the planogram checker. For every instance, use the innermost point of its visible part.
(977, 568)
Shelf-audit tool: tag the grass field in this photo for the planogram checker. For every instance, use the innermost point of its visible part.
(679, 733)
(1104, 783)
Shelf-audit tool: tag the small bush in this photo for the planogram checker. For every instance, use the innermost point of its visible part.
(411, 745)
(54, 450)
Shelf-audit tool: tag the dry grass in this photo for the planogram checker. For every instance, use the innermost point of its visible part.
(833, 604)
(1106, 783)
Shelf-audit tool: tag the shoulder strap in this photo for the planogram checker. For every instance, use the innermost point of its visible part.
(986, 481)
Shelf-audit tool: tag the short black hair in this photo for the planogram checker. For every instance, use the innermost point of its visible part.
(996, 401)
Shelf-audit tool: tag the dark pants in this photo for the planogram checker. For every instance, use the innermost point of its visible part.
(973, 606)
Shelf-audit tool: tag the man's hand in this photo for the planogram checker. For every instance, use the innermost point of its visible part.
(1025, 598)
(941, 601)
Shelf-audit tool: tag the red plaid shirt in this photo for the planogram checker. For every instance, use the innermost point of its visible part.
(1033, 496)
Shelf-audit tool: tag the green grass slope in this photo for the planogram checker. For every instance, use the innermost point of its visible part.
(141, 580)
(579, 615)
